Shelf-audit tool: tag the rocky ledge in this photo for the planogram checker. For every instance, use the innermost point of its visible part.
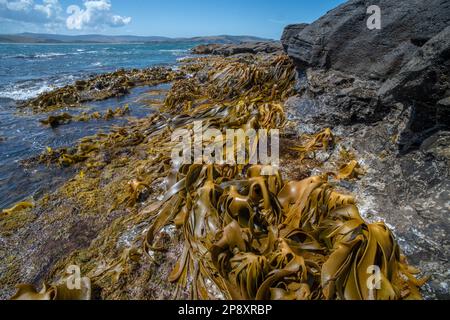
(234, 49)
(387, 91)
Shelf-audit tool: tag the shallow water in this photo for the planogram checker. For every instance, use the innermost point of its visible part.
(28, 70)
(26, 137)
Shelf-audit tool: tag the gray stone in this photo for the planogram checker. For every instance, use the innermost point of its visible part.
(341, 40)
(423, 83)
(290, 31)
(234, 49)
(385, 95)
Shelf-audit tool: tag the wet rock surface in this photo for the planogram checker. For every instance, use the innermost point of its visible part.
(234, 49)
(385, 93)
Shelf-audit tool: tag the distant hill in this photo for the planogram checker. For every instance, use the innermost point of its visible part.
(96, 38)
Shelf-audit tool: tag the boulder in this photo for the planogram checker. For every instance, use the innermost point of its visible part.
(234, 49)
(342, 41)
(205, 48)
(407, 61)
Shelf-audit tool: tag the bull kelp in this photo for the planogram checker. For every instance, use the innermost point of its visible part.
(100, 87)
(231, 231)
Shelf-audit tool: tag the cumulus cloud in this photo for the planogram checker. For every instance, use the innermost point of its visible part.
(95, 14)
(92, 15)
(46, 11)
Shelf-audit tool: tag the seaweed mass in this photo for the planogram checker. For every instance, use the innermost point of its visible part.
(211, 231)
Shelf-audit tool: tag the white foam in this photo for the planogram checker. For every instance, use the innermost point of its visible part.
(175, 52)
(49, 55)
(31, 89)
(24, 94)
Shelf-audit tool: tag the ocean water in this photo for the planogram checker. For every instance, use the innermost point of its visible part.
(28, 70)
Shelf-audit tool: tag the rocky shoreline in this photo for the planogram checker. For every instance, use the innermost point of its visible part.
(234, 49)
(390, 117)
(387, 92)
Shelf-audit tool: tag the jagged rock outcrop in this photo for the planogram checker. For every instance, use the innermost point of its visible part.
(424, 84)
(387, 94)
(290, 31)
(407, 61)
(234, 49)
(341, 40)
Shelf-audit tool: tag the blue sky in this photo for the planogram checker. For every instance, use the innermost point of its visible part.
(173, 18)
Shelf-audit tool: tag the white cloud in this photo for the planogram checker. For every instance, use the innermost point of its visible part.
(96, 14)
(51, 8)
(28, 11)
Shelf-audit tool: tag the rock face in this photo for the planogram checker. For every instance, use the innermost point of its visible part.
(234, 49)
(387, 94)
(290, 31)
(342, 41)
(423, 83)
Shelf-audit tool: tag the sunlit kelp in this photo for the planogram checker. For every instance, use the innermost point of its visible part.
(320, 141)
(16, 208)
(65, 118)
(351, 170)
(248, 79)
(260, 238)
(60, 291)
(101, 87)
(252, 236)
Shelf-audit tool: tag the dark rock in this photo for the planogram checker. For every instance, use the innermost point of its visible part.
(235, 49)
(205, 48)
(423, 83)
(328, 98)
(386, 95)
(290, 31)
(341, 40)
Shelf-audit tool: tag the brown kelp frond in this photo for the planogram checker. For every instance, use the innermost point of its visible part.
(65, 118)
(265, 78)
(55, 121)
(101, 87)
(246, 234)
(304, 241)
(320, 141)
(218, 80)
(67, 289)
(349, 171)
(16, 208)
(182, 94)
